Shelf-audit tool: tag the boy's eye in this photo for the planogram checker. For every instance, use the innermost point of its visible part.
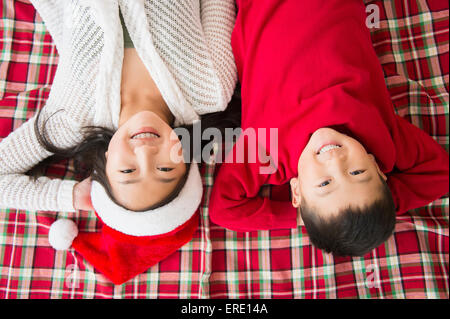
(324, 183)
(127, 171)
(165, 169)
(357, 172)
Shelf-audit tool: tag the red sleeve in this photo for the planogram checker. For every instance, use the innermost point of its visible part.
(421, 172)
(281, 192)
(236, 205)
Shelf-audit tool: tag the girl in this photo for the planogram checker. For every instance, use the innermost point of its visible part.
(113, 108)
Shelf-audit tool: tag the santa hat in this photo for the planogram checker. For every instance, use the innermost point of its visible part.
(131, 242)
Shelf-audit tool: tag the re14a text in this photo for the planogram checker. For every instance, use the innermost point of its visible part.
(243, 308)
(230, 308)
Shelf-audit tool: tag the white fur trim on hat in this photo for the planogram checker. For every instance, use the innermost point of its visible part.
(62, 233)
(152, 222)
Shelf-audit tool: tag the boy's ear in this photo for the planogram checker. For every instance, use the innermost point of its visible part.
(378, 168)
(106, 154)
(295, 191)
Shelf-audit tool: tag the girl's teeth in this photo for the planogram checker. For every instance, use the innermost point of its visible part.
(145, 135)
(328, 148)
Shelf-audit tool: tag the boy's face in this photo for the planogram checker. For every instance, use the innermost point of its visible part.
(335, 171)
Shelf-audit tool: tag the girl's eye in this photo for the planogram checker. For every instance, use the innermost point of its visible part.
(127, 171)
(324, 183)
(165, 169)
(360, 171)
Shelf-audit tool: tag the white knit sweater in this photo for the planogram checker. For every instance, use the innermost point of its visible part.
(184, 44)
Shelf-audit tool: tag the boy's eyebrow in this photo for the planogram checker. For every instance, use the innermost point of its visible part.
(365, 180)
(320, 194)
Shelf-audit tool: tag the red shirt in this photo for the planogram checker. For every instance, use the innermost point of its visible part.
(304, 65)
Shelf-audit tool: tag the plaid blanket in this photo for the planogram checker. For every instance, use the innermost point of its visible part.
(412, 42)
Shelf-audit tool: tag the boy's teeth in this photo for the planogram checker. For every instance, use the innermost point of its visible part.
(328, 148)
(144, 135)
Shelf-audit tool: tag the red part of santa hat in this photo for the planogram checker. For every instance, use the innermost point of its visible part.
(121, 257)
(131, 242)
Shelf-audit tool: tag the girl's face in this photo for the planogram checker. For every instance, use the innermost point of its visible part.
(144, 161)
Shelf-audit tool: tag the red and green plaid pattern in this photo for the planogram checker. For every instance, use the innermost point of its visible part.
(412, 43)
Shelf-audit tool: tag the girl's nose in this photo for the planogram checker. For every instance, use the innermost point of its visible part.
(145, 155)
(144, 150)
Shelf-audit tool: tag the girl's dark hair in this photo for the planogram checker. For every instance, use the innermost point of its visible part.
(89, 156)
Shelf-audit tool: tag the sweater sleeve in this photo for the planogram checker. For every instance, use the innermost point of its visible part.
(217, 19)
(236, 205)
(19, 152)
(421, 172)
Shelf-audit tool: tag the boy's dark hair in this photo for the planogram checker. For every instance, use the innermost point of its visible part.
(89, 156)
(354, 231)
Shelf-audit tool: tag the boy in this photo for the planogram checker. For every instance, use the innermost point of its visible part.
(308, 68)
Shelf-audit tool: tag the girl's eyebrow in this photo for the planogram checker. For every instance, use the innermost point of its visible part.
(131, 181)
(160, 179)
(166, 180)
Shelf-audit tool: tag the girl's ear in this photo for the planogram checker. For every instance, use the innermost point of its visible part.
(378, 168)
(295, 191)
(106, 154)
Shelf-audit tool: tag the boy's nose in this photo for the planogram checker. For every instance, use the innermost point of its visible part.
(336, 154)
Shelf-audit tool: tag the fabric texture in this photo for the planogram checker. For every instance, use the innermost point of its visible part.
(188, 58)
(121, 257)
(411, 43)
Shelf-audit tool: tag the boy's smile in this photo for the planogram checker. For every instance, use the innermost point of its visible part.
(328, 147)
(335, 171)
